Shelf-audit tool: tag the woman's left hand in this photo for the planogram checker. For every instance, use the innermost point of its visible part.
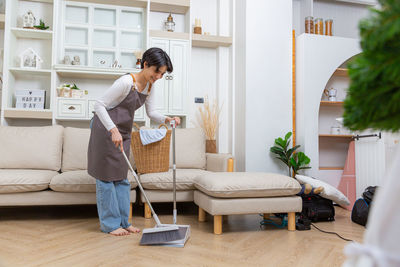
(169, 119)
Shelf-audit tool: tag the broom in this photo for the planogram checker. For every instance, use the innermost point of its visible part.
(160, 233)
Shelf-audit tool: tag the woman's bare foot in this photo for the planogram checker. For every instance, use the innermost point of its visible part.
(132, 229)
(119, 232)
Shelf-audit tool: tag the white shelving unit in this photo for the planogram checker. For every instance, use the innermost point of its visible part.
(95, 30)
(318, 68)
(346, 14)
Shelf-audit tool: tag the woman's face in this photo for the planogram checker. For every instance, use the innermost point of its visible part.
(152, 74)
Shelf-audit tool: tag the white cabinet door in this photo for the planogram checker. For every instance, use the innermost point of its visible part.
(160, 87)
(178, 84)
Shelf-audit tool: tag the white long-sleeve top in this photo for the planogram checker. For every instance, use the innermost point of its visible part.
(114, 95)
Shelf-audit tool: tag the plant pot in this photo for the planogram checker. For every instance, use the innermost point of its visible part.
(211, 146)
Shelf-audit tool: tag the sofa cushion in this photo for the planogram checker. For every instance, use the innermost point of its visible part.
(190, 149)
(246, 184)
(75, 148)
(31, 147)
(163, 180)
(79, 181)
(15, 181)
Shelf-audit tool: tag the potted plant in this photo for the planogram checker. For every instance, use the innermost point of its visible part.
(72, 91)
(295, 161)
(208, 120)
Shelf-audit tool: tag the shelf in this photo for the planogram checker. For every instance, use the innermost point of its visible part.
(22, 71)
(169, 35)
(2, 20)
(341, 72)
(170, 6)
(41, 1)
(84, 72)
(331, 168)
(210, 41)
(130, 3)
(332, 103)
(27, 114)
(360, 2)
(33, 34)
(344, 136)
(72, 119)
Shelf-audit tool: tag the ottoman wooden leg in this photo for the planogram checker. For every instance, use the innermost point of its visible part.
(230, 165)
(217, 224)
(202, 215)
(292, 221)
(130, 213)
(147, 211)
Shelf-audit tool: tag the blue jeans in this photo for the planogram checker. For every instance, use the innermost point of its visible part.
(113, 204)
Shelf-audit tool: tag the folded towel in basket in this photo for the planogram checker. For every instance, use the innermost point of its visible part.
(152, 135)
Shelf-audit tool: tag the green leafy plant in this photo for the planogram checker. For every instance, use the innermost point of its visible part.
(74, 87)
(295, 161)
(41, 26)
(373, 99)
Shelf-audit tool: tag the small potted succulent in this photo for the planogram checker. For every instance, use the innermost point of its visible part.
(71, 91)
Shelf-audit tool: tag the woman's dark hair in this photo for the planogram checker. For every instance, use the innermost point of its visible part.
(157, 57)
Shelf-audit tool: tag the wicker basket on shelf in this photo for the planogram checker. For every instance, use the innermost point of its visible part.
(153, 157)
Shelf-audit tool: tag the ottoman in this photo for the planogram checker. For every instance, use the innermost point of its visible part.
(228, 193)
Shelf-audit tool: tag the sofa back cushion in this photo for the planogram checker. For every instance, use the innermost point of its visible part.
(31, 147)
(75, 148)
(190, 149)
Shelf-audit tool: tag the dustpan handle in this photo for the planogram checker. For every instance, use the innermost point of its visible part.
(173, 126)
(141, 189)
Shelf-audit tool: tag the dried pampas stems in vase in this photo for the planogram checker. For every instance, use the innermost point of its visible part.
(208, 119)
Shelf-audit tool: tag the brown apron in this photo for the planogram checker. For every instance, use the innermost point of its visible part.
(105, 160)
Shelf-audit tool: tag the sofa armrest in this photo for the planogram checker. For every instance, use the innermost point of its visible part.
(218, 162)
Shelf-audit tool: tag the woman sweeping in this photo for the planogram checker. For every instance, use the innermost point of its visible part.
(111, 133)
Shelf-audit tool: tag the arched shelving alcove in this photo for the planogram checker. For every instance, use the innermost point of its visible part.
(320, 64)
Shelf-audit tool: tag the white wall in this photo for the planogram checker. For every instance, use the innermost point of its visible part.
(203, 69)
(239, 96)
(211, 72)
(202, 79)
(267, 103)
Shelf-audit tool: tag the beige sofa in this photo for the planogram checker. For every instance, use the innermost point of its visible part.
(192, 161)
(46, 166)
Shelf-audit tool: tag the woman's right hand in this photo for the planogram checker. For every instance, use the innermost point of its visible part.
(117, 138)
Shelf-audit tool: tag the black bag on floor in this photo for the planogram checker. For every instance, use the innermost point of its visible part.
(360, 211)
(317, 208)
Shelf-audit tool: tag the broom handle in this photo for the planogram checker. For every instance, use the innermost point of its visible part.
(159, 224)
(173, 125)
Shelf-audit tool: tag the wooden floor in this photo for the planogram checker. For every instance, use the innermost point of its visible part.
(70, 236)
